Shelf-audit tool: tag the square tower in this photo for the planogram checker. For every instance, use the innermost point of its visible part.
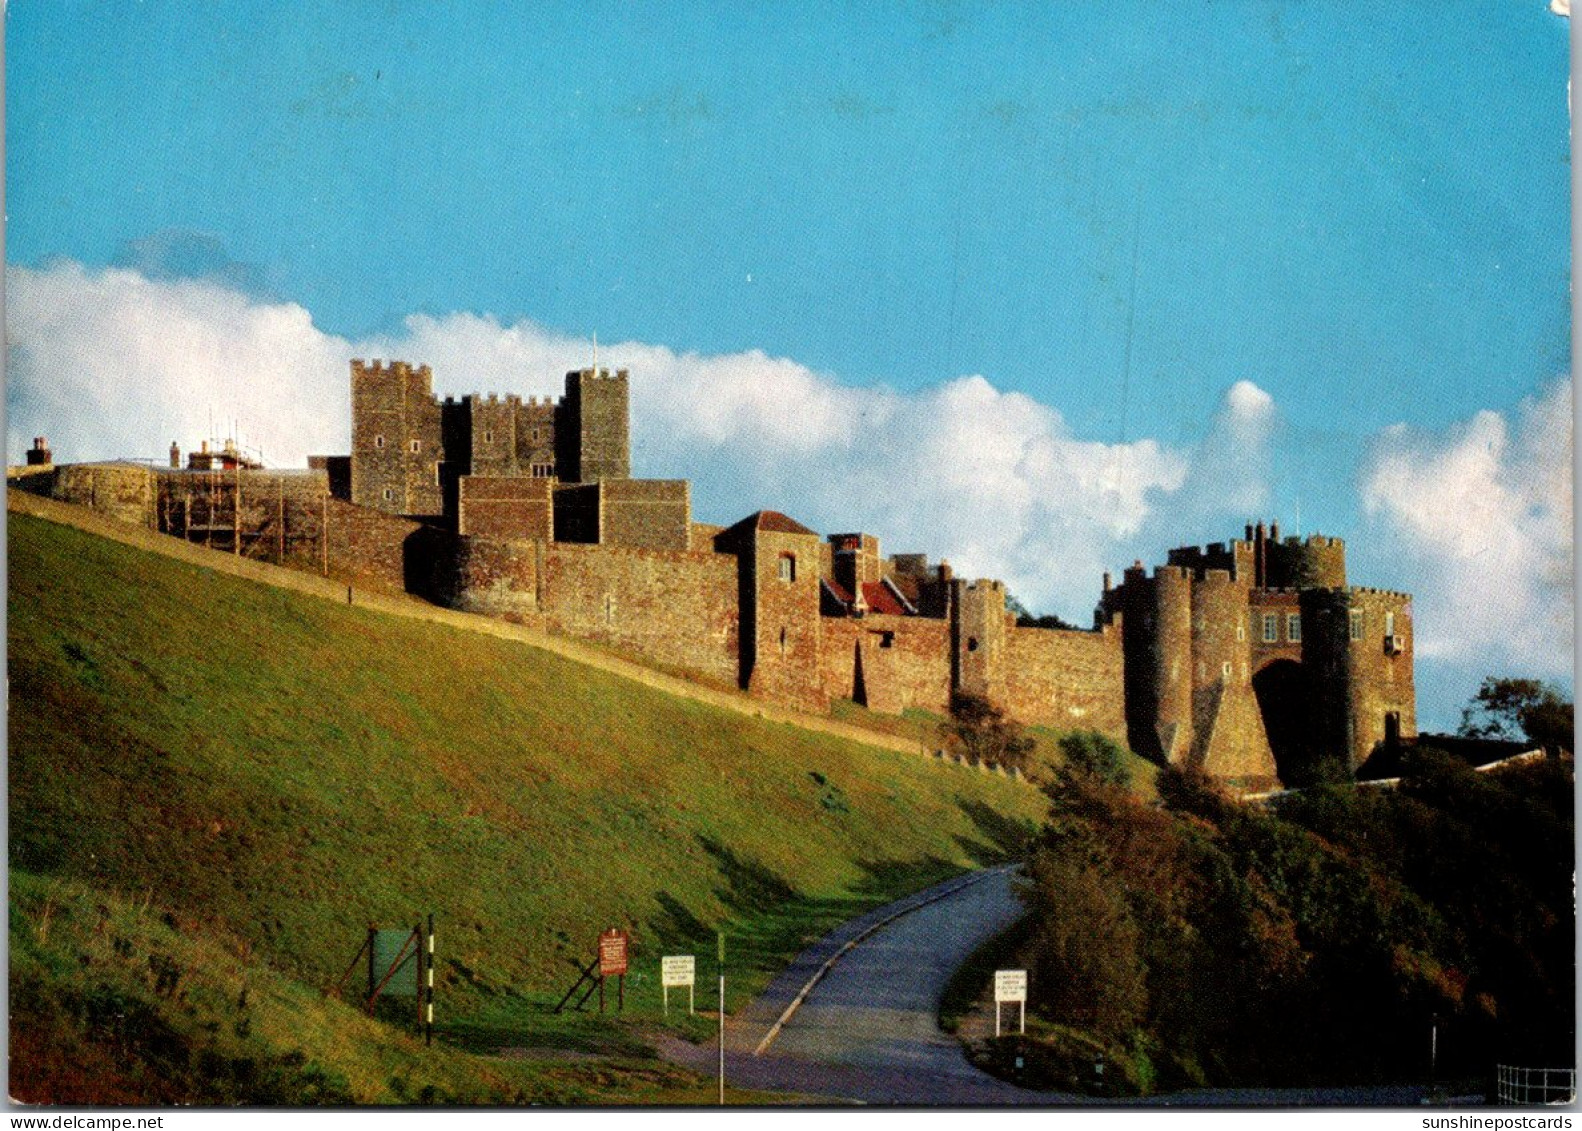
(398, 445)
(591, 434)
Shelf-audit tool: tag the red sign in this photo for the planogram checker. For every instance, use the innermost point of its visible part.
(612, 953)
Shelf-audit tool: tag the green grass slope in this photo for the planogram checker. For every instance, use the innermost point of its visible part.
(261, 774)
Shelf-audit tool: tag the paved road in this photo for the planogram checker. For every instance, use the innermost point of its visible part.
(868, 1031)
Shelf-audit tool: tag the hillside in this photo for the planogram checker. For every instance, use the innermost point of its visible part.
(243, 778)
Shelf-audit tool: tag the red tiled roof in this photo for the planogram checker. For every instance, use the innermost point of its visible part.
(781, 524)
(839, 591)
(772, 521)
(880, 600)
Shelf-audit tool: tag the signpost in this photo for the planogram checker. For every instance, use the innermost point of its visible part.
(1010, 986)
(398, 963)
(612, 963)
(678, 970)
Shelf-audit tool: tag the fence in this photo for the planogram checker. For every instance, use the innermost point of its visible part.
(1525, 1086)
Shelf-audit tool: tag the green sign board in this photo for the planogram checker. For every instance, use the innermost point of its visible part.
(388, 948)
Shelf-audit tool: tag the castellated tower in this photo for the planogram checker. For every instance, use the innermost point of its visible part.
(977, 637)
(1361, 658)
(398, 448)
(592, 433)
(409, 450)
(1255, 659)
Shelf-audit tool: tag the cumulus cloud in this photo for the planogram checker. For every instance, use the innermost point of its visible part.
(114, 363)
(1480, 517)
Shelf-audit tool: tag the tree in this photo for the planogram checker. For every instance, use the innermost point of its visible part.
(1089, 752)
(1026, 619)
(984, 733)
(1512, 709)
(1084, 952)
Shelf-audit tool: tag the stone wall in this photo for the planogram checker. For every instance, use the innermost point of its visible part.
(491, 507)
(654, 514)
(381, 550)
(123, 491)
(1067, 680)
(677, 608)
(495, 577)
(887, 663)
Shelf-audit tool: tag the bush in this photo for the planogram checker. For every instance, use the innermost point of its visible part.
(981, 731)
(1101, 757)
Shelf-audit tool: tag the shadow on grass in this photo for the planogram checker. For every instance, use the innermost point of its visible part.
(675, 927)
(1004, 838)
(750, 887)
(519, 1022)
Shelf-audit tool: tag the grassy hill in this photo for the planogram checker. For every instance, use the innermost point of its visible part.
(215, 786)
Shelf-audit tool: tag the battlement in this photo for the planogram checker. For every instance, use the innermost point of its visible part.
(984, 585)
(377, 368)
(591, 374)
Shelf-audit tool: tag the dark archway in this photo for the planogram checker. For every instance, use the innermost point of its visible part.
(1285, 701)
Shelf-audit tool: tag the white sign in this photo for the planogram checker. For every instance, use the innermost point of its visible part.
(1010, 985)
(679, 970)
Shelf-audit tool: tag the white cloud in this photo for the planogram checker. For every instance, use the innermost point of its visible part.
(1480, 518)
(111, 363)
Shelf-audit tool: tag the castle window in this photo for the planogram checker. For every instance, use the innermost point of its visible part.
(1224, 669)
(488, 437)
(1271, 628)
(972, 643)
(1241, 631)
(609, 610)
(417, 445)
(439, 478)
(535, 435)
(379, 441)
(389, 494)
(1293, 627)
(1389, 624)
(787, 567)
(782, 642)
(1356, 626)
(887, 640)
(543, 470)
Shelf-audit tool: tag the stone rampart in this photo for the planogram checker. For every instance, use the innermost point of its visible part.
(490, 507)
(888, 663)
(676, 608)
(654, 514)
(1066, 679)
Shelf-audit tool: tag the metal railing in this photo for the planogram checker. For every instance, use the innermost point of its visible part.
(1528, 1086)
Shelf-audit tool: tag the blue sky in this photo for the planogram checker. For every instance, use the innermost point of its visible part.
(1110, 213)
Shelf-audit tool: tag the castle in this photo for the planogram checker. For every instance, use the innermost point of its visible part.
(1250, 660)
